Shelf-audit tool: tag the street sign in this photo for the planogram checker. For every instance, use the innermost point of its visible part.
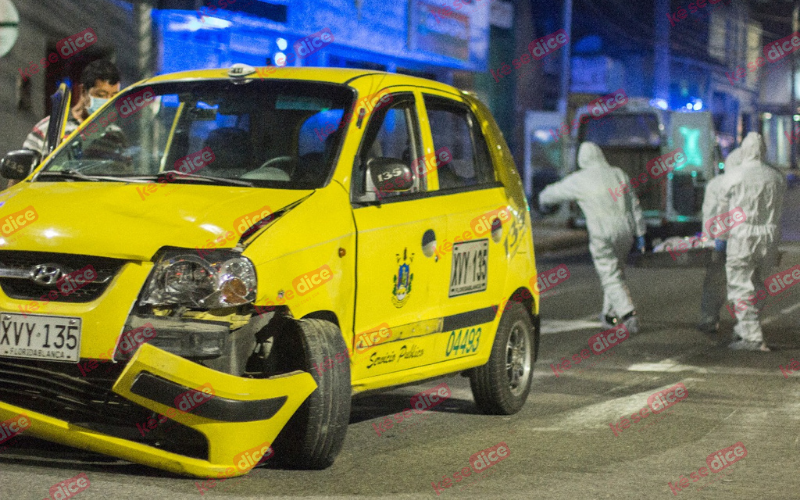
(9, 26)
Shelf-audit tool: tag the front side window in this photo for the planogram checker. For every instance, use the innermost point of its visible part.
(453, 126)
(262, 133)
(393, 133)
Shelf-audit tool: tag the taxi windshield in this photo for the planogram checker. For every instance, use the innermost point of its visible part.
(281, 134)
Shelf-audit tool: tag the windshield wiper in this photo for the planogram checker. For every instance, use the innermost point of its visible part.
(171, 175)
(74, 174)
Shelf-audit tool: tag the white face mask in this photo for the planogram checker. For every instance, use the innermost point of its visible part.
(95, 103)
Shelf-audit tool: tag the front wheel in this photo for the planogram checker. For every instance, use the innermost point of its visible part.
(501, 386)
(315, 434)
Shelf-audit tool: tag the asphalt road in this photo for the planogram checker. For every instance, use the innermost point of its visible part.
(561, 445)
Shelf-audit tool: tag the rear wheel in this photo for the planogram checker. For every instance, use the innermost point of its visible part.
(315, 434)
(501, 386)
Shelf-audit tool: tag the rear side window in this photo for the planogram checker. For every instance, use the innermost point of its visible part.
(453, 126)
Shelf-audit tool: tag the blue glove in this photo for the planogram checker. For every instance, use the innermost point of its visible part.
(720, 245)
(641, 244)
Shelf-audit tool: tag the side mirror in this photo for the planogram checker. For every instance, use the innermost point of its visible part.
(19, 164)
(390, 175)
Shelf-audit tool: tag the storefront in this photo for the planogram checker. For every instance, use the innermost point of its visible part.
(430, 38)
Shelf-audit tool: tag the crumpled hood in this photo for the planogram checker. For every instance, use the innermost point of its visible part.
(591, 156)
(125, 221)
(733, 160)
(752, 148)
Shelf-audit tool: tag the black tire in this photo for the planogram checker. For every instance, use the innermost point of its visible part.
(315, 434)
(501, 386)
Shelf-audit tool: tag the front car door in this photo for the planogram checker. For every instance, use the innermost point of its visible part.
(399, 278)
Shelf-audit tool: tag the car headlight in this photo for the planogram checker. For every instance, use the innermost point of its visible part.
(220, 278)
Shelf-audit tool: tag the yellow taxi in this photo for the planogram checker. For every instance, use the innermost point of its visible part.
(203, 274)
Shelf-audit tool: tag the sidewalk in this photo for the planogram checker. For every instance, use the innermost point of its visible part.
(548, 238)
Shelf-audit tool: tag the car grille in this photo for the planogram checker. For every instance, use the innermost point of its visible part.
(59, 390)
(25, 289)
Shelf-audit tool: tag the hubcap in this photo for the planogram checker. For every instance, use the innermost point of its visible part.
(518, 360)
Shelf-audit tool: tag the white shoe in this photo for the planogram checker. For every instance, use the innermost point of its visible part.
(632, 324)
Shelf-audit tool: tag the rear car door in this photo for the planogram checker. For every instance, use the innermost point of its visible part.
(480, 224)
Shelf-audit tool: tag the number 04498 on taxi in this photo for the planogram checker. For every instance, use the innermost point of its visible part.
(51, 338)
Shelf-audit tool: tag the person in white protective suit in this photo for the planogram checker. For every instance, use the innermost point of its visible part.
(752, 246)
(714, 284)
(612, 221)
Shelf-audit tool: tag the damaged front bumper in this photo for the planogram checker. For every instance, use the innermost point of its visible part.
(237, 417)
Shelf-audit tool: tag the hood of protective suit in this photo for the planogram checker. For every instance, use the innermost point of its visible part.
(591, 156)
(752, 147)
(733, 160)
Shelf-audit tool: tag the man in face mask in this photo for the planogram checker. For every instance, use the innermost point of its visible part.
(752, 246)
(99, 83)
(612, 221)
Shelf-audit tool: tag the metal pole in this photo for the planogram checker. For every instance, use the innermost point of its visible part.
(144, 67)
(565, 60)
(563, 99)
(662, 77)
(792, 145)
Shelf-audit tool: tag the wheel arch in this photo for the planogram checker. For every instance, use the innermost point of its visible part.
(524, 296)
(324, 315)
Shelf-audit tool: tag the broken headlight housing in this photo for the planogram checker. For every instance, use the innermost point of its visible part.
(218, 279)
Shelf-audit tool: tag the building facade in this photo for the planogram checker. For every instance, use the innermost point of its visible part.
(32, 70)
(445, 40)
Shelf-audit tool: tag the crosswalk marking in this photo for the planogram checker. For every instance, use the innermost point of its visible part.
(783, 312)
(553, 326)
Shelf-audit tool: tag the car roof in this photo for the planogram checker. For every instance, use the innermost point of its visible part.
(308, 73)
